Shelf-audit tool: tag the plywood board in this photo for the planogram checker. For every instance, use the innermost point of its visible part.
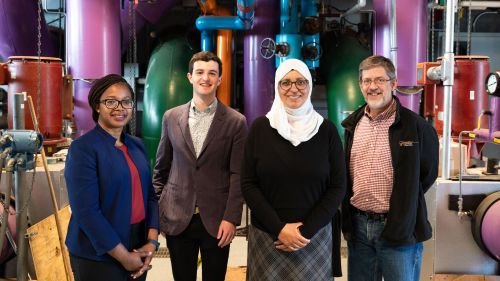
(236, 273)
(46, 249)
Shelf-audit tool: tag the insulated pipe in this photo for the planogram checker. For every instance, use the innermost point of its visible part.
(19, 30)
(259, 71)
(411, 42)
(448, 72)
(92, 50)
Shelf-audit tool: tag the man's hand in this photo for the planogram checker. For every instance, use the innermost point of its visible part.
(290, 238)
(226, 233)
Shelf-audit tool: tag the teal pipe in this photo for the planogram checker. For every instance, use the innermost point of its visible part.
(206, 40)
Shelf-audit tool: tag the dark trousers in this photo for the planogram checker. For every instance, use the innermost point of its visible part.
(184, 249)
(91, 270)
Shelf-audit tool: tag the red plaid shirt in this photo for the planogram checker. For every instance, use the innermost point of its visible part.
(371, 164)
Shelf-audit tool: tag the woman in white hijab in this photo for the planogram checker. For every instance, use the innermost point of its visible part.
(293, 179)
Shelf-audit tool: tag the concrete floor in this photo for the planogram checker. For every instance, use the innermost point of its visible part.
(162, 270)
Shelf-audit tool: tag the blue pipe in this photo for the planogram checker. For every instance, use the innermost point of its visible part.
(246, 11)
(289, 30)
(206, 40)
(289, 17)
(308, 8)
(244, 21)
(221, 22)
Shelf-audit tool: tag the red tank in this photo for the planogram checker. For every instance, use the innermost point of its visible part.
(469, 94)
(23, 72)
(429, 101)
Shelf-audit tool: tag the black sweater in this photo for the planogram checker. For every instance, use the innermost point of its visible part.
(282, 183)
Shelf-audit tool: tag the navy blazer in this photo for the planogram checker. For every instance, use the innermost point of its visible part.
(100, 194)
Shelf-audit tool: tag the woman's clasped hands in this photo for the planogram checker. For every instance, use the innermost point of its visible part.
(290, 239)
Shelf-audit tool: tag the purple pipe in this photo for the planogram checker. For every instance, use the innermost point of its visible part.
(19, 30)
(145, 12)
(490, 229)
(259, 72)
(495, 109)
(411, 41)
(93, 50)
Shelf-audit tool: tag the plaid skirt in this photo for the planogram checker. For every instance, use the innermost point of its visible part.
(311, 263)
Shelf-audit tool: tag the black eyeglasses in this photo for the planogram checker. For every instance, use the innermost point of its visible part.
(113, 104)
(286, 85)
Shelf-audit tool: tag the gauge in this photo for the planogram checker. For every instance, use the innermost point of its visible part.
(493, 83)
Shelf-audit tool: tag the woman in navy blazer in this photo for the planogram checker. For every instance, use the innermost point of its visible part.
(113, 230)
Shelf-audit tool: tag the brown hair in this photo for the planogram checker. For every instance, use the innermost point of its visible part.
(376, 61)
(205, 56)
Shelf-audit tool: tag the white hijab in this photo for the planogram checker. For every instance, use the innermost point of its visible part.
(295, 125)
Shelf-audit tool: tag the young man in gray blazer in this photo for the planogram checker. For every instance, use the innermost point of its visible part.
(197, 175)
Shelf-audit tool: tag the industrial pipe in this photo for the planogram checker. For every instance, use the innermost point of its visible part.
(393, 35)
(288, 41)
(259, 68)
(243, 21)
(311, 50)
(20, 39)
(448, 63)
(92, 50)
(9, 172)
(224, 23)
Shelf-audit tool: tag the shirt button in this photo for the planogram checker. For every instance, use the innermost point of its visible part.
(197, 168)
(366, 200)
(366, 182)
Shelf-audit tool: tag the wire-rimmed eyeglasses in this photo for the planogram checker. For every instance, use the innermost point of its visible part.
(286, 85)
(113, 104)
(378, 81)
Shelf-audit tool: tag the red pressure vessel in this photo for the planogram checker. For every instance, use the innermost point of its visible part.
(23, 77)
(469, 94)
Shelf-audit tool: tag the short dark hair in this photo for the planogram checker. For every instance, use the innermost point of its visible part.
(99, 86)
(205, 56)
(376, 61)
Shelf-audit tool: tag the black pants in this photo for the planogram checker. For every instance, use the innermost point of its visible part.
(184, 249)
(91, 270)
